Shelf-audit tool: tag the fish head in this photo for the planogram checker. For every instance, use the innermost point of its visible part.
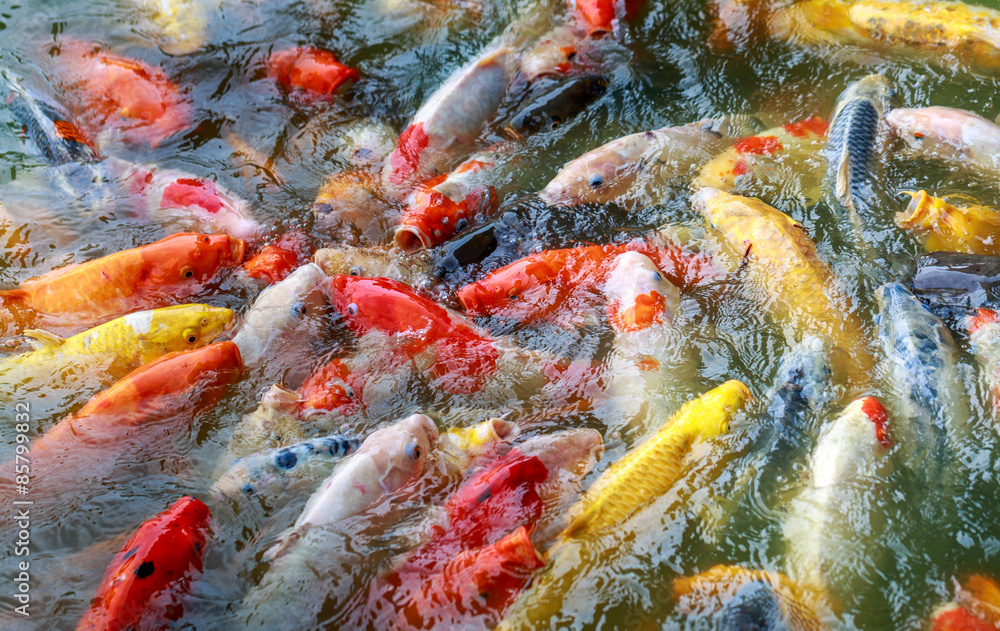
(924, 212)
(190, 259)
(500, 571)
(181, 327)
(200, 202)
(277, 260)
(285, 304)
(279, 400)
(894, 300)
(524, 290)
(332, 388)
(389, 306)
(460, 446)
(575, 451)
(400, 451)
(589, 178)
(638, 293)
(501, 495)
(722, 402)
(874, 88)
(983, 317)
(711, 203)
(927, 127)
(872, 410)
(312, 70)
(429, 219)
(357, 262)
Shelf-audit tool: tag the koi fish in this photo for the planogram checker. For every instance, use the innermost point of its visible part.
(333, 388)
(944, 227)
(953, 617)
(557, 104)
(980, 594)
(48, 126)
(154, 275)
(182, 24)
(782, 260)
(634, 168)
(145, 583)
(445, 205)
(272, 474)
(844, 470)
(180, 200)
(460, 446)
(465, 356)
(474, 585)
(375, 262)
(276, 261)
(950, 278)
(742, 598)
(115, 348)
(853, 125)
(536, 286)
(984, 335)
(311, 71)
(947, 133)
(638, 294)
(448, 124)
(352, 206)
(117, 94)
(743, 157)
(278, 311)
(924, 364)
(553, 54)
(274, 424)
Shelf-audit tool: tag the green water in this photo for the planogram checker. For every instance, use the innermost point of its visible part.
(662, 73)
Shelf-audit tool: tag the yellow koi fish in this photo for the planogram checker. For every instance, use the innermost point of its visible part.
(782, 260)
(944, 227)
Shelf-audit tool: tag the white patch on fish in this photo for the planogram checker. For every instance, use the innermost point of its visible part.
(140, 321)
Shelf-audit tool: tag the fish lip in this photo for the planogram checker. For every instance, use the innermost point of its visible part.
(237, 250)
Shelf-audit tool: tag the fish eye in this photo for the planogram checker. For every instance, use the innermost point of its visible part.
(349, 391)
(187, 272)
(352, 309)
(656, 276)
(299, 309)
(461, 224)
(512, 297)
(205, 239)
(413, 451)
(596, 181)
(323, 209)
(355, 271)
(191, 336)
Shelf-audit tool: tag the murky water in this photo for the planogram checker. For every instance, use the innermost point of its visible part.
(926, 528)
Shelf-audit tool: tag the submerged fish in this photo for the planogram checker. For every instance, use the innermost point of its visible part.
(984, 335)
(274, 424)
(740, 598)
(779, 143)
(182, 24)
(333, 389)
(460, 446)
(951, 134)
(962, 280)
(145, 583)
(556, 105)
(944, 227)
(636, 167)
(270, 475)
(925, 368)
(276, 261)
(50, 128)
(850, 149)
(846, 471)
(375, 261)
(311, 71)
(782, 260)
(147, 277)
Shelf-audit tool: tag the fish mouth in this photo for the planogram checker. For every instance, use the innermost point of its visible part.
(237, 250)
(410, 239)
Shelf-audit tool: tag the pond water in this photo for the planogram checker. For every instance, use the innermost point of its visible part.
(918, 530)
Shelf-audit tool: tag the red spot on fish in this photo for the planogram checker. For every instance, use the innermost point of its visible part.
(186, 192)
(405, 160)
(815, 126)
(982, 317)
(759, 145)
(648, 363)
(647, 310)
(957, 618)
(333, 388)
(311, 69)
(874, 410)
(741, 167)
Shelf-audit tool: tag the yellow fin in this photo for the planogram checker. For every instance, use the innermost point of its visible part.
(47, 339)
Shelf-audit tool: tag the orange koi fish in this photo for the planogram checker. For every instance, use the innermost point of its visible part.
(156, 275)
(443, 206)
(465, 357)
(537, 285)
(447, 125)
(276, 261)
(600, 15)
(332, 388)
(309, 71)
(474, 584)
(145, 582)
(121, 94)
(740, 159)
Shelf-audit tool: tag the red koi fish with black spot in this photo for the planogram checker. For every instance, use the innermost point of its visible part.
(464, 356)
(443, 206)
(160, 274)
(449, 123)
(793, 139)
(145, 583)
(309, 72)
(110, 93)
(543, 284)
